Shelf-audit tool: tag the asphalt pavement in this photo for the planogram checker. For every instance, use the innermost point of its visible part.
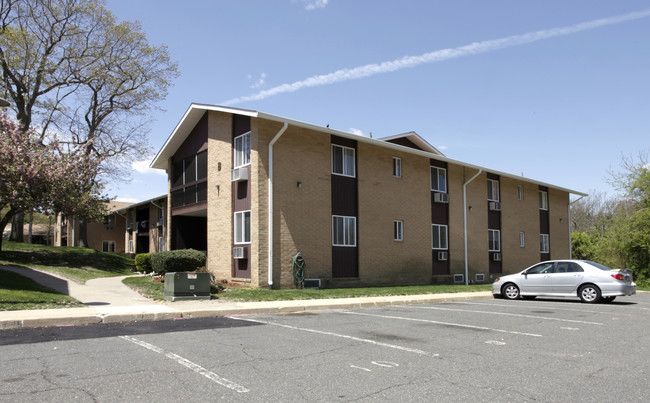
(108, 300)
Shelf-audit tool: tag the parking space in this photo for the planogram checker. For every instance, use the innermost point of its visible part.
(489, 350)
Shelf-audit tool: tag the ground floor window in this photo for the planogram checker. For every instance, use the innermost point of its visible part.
(108, 246)
(544, 245)
(494, 240)
(344, 231)
(243, 227)
(439, 236)
(398, 230)
(522, 239)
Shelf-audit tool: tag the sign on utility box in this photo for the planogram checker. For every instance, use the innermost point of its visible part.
(185, 286)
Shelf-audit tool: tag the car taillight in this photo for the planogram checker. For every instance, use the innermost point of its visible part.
(618, 276)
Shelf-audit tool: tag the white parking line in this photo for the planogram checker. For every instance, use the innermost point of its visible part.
(539, 304)
(510, 314)
(189, 364)
(343, 336)
(444, 323)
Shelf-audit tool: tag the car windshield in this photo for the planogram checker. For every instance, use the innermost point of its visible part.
(598, 265)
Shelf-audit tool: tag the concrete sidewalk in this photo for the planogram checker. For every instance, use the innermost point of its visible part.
(108, 300)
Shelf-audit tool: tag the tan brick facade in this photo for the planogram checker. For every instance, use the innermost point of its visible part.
(302, 213)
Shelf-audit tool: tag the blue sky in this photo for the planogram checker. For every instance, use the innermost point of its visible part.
(555, 90)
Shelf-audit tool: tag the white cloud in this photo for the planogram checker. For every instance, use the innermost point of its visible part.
(356, 131)
(314, 4)
(442, 148)
(260, 81)
(435, 57)
(127, 199)
(142, 167)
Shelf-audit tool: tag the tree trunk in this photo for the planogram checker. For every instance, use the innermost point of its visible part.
(30, 227)
(83, 233)
(17, 234)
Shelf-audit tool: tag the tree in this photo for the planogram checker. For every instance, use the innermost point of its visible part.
(36, 175)
(68, 67)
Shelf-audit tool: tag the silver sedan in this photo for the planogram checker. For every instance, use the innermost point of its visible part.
(590, 281)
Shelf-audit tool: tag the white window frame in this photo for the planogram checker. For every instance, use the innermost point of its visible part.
(161, 243)
(494, 240)
(397, 167)
(344, 231)
(544, 243)
(130, 245)
(240, 227)
(520, 192)
(543, 200)
(108, 246)
(242, 150)
(347, 169)
(493, 190)
(522, 239)
(398, 230)
(437, 172)
(443, 237)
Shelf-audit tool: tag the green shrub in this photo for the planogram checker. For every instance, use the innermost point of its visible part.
(177, 260)
(143, 262)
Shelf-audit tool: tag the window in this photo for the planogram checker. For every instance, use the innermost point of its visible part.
(109, 222)
(493, 190)
(439, 236)
(522, 239)
(108, 246)
(398, 230)
(343, 160)
(494, 240)
(201, 165)
(344, 231)
(544, 246)
(130, 245)
(520, 192)
(242, 150)
(397, 167)
(243, 227)
(543, 200)
(439, 179)
(161, 244)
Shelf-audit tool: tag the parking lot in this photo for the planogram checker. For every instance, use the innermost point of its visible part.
(488, 350)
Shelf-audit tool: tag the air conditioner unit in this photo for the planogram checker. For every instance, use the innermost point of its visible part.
(496, 257)
(239, 174)
(442, 256)
(238, 252)
(441, 197)
(495, 206)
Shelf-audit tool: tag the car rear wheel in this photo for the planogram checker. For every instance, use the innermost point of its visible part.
(607, 300)
(589, 293)
(510, 291)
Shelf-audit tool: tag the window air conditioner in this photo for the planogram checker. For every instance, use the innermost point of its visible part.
(441, 198)
(496, 257)
(238, 252)
(442, 256)
(495, 206)
(239, 174)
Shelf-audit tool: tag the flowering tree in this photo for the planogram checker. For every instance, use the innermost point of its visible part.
(34, 175)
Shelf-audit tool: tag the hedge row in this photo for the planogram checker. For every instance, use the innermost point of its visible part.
(170, 261)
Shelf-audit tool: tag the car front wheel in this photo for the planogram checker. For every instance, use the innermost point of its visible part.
(510, 291)
(589, 293)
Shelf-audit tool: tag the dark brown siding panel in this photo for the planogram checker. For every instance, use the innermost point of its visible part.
(241, 193)
(545, 226)
(344, 195)
(440, 216)
(345, 259)
(196, 142)
(404, 142)
(240, 125)
(439, 267)
(345, 262)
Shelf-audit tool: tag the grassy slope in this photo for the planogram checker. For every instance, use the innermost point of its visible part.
(18, 292)
(78, 264)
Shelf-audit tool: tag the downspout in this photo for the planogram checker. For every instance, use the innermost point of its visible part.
(270, 229)
(465, 222)
(569, 220)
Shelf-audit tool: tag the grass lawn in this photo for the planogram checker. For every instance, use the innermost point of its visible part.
(151, 289)
(18, 293)
(78, 264)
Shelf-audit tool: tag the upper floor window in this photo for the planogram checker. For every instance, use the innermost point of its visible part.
(109, 222)
(343, 160)
(190, 169)
(242, 146)
(439, 179)
(493, 190)
(520, 192)
(543, 200)
(522, 239)
(397, 167)
(398, 230)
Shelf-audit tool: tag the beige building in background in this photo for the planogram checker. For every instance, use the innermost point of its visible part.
(254, 189)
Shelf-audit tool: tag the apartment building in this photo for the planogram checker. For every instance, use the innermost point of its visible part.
(253, 189)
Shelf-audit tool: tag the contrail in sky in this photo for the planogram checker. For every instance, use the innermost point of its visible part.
(437, 56)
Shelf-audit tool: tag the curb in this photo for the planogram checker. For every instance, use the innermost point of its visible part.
(281, 307)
